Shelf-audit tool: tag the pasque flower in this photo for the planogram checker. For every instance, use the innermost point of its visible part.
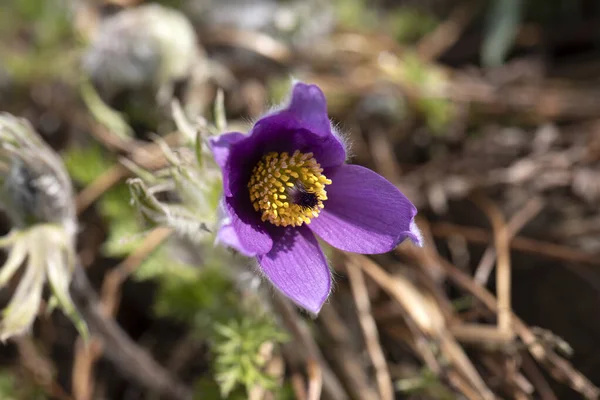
(287, 181)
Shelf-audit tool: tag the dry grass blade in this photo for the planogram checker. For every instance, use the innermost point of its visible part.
(40, 367)
(149, 156)
(307, 350)
(127, 356)
(433, 45)
(558, 367)
(315, 380)
(369, 328)
(537, 378)
(98, 187)
(428, 318)
(87, 355)
(503, 268)
(516, 223)
(115, 278)
(532, 246)
(341, 348)
(298, 386)
(257, 42)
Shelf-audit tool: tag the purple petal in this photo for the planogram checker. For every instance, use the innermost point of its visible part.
(309, 106)
(303, 125)
(365, 213)
(297, 267)
(220, 147)
(243, 230)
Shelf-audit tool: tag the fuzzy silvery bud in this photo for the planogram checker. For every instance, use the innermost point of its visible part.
(145, 48)
(37, 196)
(35, 186)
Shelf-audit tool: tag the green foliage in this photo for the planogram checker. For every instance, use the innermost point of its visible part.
(238, 358)
(85, 164)
(207, 388)
(207, 299)
(278, 88)
(405, 24)
(160, 264)
(50, 39)
(408, 25)
(427, 384)
(7, 386)
(198, 296)
(124, 232)
(111, 119)
(436, 111)
(503, 22)
(356, 14)
(12, 389)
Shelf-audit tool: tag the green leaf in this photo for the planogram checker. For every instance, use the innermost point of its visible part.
(86, 163)
(123, 229)
(123, 237)
(410, 24)
(502, 26)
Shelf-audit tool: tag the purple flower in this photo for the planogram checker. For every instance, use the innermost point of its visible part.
(286, 181)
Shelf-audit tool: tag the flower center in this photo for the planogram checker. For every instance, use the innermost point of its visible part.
(288, 190)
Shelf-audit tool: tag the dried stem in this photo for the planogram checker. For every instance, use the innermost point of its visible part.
(533, 246)
(315, 380)
(148, 155)
(86, 355)
(40, 367)
(433, 45)
(369, 328)
(98, 187)
(558, 367)
(343, 352)
(133, 361)
(428, 318)
(516, 223)
(503, 268)
(306, 348)
(114, 279)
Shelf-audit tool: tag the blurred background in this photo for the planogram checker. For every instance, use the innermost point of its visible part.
(486, 114)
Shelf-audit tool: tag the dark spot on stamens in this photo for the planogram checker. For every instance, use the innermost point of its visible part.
(299, 195)
(307, 200)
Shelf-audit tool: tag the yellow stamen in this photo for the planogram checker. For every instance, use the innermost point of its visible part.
(279, 182)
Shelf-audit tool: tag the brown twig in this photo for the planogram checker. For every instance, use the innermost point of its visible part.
(503, 267)
(40, 367)
(305, 347)
(86, 355)
(315, 380)
(428, 317)
(147, 155)
(98, 187)
(369, 328)
(298, 386)
(341, 348)
(537, 378)
(133, 361)
(115, 278)
(434, 44)
(516, 223)
(558, 367)
(533, 246)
